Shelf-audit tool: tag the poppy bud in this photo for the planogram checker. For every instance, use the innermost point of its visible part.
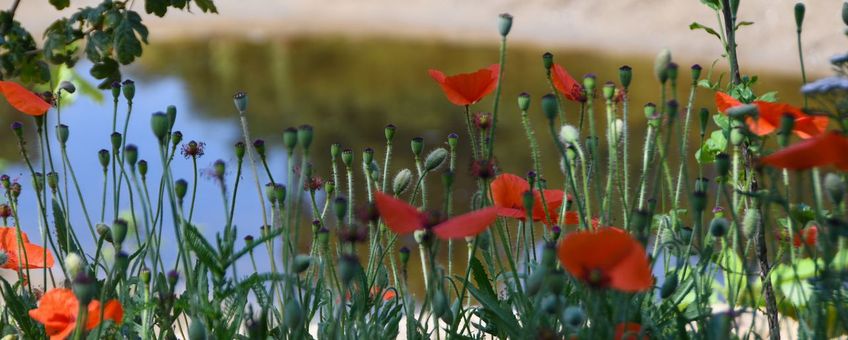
(269, 192)
(131, 155)
(128, 88)
(421, 236)
(696, 73)
(6, 181)
(248, 240)
(73, 264)
(104, 232)
(38, 181)
(180, 189)
(159, 123)
(609, 90)
(324, 237)
(661, 65)
(719, 226)
(335, 150)
(589, 83)
(550, 304)
(15, 190)
(403, 253)
(171, 112)
(699, 201)
(574, 317)
(669, 286)
(347, 157)
(435, 159)
(523, 101)
(625, 75)
(239, 149)
(390, 132)
(799, 15)
(671, 72)
(550, 107)
(439, 304)
(84, 288)
(52, 180)
(119, 231)
(448, 178)
(722, 161)
(401, 181)
(145, 275)
(453, 140)
(18, 129)
(671, 108)
(302, 262)
(176, 138)
(704, 119)
(290, 139)
(750, 222)
(280, 193)
(62, 134)
(116, 90)
(417, 145)
(116, 141)
(835, 187)
(548, 60)
(650, 110)
(219, 168)
(367, 156)
(737, 136)
(504, 24)
(103, 157)
(240, 100)
(197, 330)
(5, 211)
(340, 207)
(348, 268)
(142, 168)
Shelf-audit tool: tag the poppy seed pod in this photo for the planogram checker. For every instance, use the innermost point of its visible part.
(625, 76)
(722, 164)
(661, 65)
(609, 90)
(176, 138)
(524, 101)
(122, 262)
(403, 254)
(104, 232)
(269, 193)
(671, 109)
(52, 180)
(116, 139)
(435, 159)
(304, 136)
(324, 237)
(173, 278)
(453, 140)
(650, 110)
(103, 157)
(845, 13)
(131, 154)
(340, 207)
(219, 168)
(550, 107)
(259, 146)
(367, 155)
(84, 288)
(719, 226)
(696, 73)
(799, 15)
(128, 88)
(702, 184)
(171, 112)
(330, 187)
(672, 71)
(239, 150)
(347, 157)
(504, 24)
(704, 119)
(589, 83)
(401, 181)
(159, 123)
(669, 286)
(197, 330)
(280, 193)
(142, 168)
(290, 139)
(335, 150)
(574, 317)
(548, 60)
(116, 90)
(417, 145)
(390, 132)
(62, 134)
(835, 187)
(699, 201)
(180, 188)
(240, 101)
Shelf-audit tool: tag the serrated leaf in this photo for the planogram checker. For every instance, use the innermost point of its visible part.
(481, 278)
(60, 4)
(157, 7)
(696, 26)
(722, 121)
(711, 147)
(126, 44)
(61, 228)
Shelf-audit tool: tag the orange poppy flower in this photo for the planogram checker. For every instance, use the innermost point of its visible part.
(403, 218)
(770, 115)
(34, 253)
(57, 311)
(508, 195)
(567, 85)
(22, 99)
(468, 88)
(629, 331)
(823, 150)
(808, 236)
(607, 258)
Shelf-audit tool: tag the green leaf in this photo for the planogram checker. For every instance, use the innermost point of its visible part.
(696, 26)
(127, 46)
(770, 97)
(206, 6)
(743, 23)
(481, 278)
(722, 121)
(61, 228)
(711, 147)
(157, 7)
(60, 4)
(714, 4)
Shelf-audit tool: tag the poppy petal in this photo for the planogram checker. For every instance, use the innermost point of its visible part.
(508, 191)
(618, 256)
(553, 200)
(467, 88)
(22, 99)
(566, 84)
(398, 215)
(810, 126)
(511, 213)
(465, 225)
(826, 149)
(724, 101)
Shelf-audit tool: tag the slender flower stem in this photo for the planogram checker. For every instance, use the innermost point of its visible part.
(502, 62)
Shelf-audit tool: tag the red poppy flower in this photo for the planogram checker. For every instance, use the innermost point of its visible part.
(629, 331)
(808, 236)
(468, 88)
(508, 194)
(607, 258)
(823, 150)
(567, 85)
(22, 99)
(770, 115)
(57, 311)
(403, 218)
(34, 253)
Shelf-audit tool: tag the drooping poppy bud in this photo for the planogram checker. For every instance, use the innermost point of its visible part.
(73, 264)
(661, 63)
(669, 286)
(704, 119)
(625, 76)
(104, 232)
(435, 159)
(302, 262)
(524, 101)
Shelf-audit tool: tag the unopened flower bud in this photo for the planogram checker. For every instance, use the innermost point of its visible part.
(176, 138)
(62, 134)
(219, 168)
(85, 288)
(722, 161)
(719, 227)
(280, 193)
(453, 140)
(661, 65)
(52, 180)
(439, 303)
(548, 60)
(180, 189)
(171, 112)
(239, 150)
(103, 157)
(159, 123)
(128, 88)
(401, 181)
(704, 119)
(104, 232)
(589, 83)
(435, 159)
(119, 231)
(669, 286)
(142, 168)
(116, 139)
(18, 129)
(302, 262)
(73, 264)
(750, 222)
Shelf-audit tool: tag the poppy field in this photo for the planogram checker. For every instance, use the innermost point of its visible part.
(731, 224)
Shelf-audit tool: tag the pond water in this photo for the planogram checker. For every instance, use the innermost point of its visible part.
(348, 89)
